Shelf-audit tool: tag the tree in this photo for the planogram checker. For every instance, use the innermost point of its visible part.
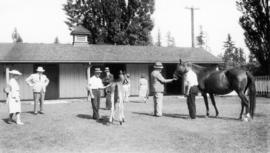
(170, 40)
(233, 56)
(16, 37)
(201, 42)
(56, 40)
(158, 43)
(113, 21)
(255, 21)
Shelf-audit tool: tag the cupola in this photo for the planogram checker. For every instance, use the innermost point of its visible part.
(80, 35)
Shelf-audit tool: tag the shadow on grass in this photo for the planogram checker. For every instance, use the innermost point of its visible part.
(5, 120)
(84, 116)
(30, 112)
(186, 116)
(146, 114)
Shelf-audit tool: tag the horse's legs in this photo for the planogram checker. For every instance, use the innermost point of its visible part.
(242, 109)
(244, 102)
(206, 103)
(214, 103)
(112, 109)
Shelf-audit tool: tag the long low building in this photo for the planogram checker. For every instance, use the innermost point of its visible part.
(66, 64)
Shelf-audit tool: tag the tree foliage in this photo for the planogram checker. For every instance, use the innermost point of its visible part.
(233, 56)
(255, 21)
(113, 21)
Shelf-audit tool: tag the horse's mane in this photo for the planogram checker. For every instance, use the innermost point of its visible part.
(202, 69)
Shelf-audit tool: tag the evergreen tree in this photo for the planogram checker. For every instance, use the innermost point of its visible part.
(255, 21)
(113, 21)
(56, 40)
(16, 37)
(201, 42)
(233, 56)
(170, 40)
(158, 43)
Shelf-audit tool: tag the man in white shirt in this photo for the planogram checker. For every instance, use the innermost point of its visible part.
(95, 85)
(191, 90)
(38, 82)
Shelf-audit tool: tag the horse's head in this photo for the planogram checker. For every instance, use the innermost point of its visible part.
(181, 69)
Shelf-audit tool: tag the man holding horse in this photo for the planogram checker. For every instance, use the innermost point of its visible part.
(158, 82)
(191, 90)
(95, 85)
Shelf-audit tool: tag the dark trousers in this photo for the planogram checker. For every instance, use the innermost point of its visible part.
(108, 98)
(95, 103)
(191, 101)
(38, 98)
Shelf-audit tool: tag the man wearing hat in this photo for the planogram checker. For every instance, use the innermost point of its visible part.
(38, 82)
(95, 85)
(106, 81)
(13, 97)
(158, 82)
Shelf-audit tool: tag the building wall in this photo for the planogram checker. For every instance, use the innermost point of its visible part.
(72, 80)
(135, 71)
(26, 70)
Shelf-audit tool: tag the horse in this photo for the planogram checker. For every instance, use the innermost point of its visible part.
(117, 98)
(220, 82)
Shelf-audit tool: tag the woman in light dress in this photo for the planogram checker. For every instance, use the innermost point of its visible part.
(13, 97)
(143, 88)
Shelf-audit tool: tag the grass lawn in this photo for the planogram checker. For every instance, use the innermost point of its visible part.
(68, 128)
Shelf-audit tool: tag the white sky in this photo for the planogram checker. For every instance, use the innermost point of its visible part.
(40, 21)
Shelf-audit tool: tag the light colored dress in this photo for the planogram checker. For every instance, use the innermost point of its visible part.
(143, 88)
(13, 99)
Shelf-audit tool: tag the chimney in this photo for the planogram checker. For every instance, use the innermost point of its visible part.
(80, 36)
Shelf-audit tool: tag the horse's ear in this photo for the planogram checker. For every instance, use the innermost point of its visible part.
(180, 61)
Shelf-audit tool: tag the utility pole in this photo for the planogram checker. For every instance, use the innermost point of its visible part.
(192, 24)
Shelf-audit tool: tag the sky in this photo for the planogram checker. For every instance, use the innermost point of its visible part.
(41, 21)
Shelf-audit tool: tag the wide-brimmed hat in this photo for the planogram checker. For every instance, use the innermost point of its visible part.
(97, 70)
(107, 69)
(40, 69)
(15, 72)
(158, 65)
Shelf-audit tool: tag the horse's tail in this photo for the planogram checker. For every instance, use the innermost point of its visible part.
(252, 93)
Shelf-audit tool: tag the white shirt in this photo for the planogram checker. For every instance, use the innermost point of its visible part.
(95, 83)
(191, 78)
(38, 82)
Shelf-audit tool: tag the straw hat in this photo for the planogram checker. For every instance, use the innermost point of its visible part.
(15, 72)
(40, 69)
(97, 70)
(158, 65)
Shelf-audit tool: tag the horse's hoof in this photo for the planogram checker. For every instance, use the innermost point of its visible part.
(206, 116)
(121, 123)
(216, 116)
(245, 119)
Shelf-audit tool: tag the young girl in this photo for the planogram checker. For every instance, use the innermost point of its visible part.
(13, 98)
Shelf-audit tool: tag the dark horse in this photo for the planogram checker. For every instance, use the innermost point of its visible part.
(214, 82)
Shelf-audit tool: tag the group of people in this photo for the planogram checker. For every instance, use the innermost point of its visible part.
(39, 82)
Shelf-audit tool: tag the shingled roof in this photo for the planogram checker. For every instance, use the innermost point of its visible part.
(80, 30)
(65, 53)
